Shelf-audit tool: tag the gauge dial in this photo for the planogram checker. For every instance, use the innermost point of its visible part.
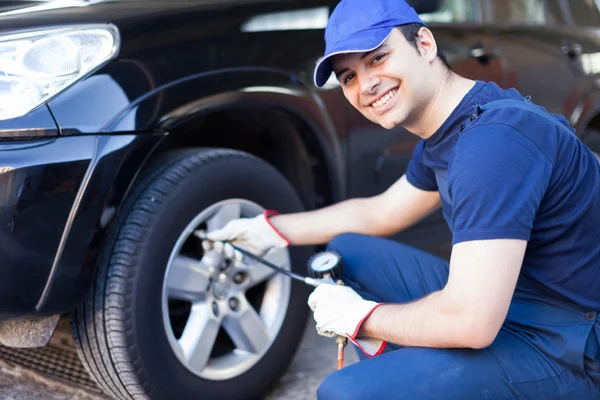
(325, 263)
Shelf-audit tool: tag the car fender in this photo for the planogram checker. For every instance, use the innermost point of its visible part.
(112, 167)
(104, 103)
(168, 106)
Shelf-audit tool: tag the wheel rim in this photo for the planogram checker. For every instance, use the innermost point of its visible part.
(221, 316)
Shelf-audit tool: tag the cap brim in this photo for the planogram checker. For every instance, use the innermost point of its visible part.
(359, 42)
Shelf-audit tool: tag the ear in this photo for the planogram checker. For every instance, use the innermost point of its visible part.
(426, 44)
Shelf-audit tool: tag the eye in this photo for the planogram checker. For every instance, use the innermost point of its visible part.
(348, 78)
(377, 58)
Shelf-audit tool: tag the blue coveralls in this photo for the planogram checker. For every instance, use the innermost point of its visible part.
(548, 346)
(511, 368)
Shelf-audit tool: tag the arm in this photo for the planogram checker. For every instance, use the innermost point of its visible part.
(398, 208)
(468, 312)
(497, 179)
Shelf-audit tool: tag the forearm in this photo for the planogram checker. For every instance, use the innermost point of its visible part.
(432, 321)
(398, 208)
(320, 226)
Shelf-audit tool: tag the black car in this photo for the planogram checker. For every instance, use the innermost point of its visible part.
(126, 126)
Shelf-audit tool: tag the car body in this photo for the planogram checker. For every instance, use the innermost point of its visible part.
(209, 74)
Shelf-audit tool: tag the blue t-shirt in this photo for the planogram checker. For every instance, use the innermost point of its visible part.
(511, 173)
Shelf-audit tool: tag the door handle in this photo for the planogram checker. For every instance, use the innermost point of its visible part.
(572, 49)
(481, 53)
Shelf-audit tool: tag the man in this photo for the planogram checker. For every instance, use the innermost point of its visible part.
(514, 312)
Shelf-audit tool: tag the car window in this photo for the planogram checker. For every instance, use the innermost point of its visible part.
(554, 12)
(312, 18)
(518, 11)
(452, 11)
(584, 12)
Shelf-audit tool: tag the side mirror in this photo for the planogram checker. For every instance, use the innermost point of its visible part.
(425, 6)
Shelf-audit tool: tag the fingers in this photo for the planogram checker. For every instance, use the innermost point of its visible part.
(217, 235)
(207, 245)
(312, 302)
(323, 332)
(223, 248)
(315, 298)
(232, 230)
(318, 296)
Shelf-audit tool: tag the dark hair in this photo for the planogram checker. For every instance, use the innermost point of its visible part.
(411, 31)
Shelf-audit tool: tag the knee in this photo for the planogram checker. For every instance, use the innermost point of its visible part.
(340, 386)
(348, 246)
(344, 242)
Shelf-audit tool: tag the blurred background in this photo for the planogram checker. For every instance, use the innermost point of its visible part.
(546, 49)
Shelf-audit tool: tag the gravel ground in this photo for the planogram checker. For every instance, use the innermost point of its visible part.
(315, 360)
(20, 384)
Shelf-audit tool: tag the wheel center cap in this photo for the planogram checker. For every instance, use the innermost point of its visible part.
(221, 286)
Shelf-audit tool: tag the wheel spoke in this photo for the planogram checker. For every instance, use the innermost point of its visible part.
(259, 273)
(199, 337)
(246, 328)
(188, 279)
(225, 214)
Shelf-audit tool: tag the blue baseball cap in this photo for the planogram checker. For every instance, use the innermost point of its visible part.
(358, 26)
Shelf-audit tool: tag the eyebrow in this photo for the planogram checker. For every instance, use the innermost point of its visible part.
(362, 57)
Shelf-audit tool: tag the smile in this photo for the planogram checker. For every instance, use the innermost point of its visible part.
(384, 100)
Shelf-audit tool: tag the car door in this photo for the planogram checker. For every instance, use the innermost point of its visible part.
(581, 48)
(378, 157)
(539, 61)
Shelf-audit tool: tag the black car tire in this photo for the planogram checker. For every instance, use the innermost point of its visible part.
(119, 330)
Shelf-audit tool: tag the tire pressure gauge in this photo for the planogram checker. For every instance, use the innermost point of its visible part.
(325, 263)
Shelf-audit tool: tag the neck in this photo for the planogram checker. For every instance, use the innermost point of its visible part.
(450, 91)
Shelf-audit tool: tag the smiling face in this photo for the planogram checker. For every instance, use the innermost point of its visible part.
(393, 84)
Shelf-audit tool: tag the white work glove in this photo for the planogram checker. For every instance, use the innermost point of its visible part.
(256, 235)
(339, 310)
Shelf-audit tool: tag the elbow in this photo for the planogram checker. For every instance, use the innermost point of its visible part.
(482, 341)
(476, 325)
(479, 334)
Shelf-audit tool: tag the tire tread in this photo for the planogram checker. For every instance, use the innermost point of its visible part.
(100, 325)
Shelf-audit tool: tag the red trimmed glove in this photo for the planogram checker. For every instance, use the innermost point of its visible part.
(256, 234)
(339, 310)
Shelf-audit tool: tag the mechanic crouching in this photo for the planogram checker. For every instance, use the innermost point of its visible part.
(514, 314)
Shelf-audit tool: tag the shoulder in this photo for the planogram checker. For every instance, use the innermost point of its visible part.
(516, 123)
(496, 143)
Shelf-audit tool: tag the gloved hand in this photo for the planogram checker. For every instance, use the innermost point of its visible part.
(339, 310)
(256, 234)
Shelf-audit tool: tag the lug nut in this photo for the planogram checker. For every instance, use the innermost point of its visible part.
(234, 303)
(215, 308)
(225, 265)
(240, 277)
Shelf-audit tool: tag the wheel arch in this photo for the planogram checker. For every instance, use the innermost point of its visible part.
(277, 136)
(262, 119)
(184, 107)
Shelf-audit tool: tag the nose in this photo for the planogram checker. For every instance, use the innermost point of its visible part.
(369, 83)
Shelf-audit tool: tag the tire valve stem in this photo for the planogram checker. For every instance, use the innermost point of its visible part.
(341, 342)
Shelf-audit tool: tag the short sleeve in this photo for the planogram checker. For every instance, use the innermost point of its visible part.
(417, 173)
(496, 181)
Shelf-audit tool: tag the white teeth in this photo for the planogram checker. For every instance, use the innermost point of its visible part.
(384, 99)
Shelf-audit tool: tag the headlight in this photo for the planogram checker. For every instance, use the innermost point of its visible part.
(36, 65)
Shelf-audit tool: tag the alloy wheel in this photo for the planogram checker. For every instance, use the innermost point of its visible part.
(222, 315)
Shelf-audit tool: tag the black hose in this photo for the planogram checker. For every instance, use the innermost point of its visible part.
(261, 260)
